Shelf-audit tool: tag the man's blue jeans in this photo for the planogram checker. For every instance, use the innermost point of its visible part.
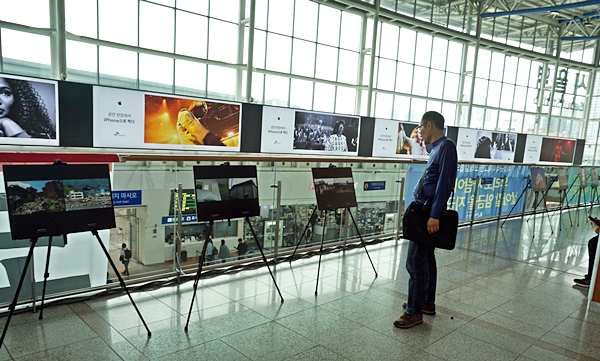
(421, 266)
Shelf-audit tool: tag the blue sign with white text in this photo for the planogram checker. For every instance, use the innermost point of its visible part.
(184, 219)
(127, 198)
(374, 186)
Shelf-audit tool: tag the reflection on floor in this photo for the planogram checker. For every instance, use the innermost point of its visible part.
(504, 294)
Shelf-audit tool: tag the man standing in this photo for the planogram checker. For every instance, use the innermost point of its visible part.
(435, 189)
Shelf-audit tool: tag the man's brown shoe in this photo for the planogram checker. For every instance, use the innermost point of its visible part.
(408, 320)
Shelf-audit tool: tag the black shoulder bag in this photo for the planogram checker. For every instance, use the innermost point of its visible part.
(414, 224)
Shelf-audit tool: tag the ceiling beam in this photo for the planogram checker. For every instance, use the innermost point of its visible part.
(541, 10)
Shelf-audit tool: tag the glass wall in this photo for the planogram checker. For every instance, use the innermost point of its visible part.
(328, 57)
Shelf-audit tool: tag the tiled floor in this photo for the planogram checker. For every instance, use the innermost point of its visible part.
(503, 294)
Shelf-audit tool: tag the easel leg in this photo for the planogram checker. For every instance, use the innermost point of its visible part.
(12, 306)
(303, 233)
(46, 275)
(197, 278)
(121, 281)
(517, 202)
(321, 251)
(263, 256)
(362, 241)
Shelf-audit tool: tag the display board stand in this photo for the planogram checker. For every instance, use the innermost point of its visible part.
(323, 240)
(33, 241)
(201, 262)
(537, 204)
(562, 193)
(594, 198)
(517, 202)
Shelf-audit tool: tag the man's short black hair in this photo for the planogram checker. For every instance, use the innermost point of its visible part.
(435, 118)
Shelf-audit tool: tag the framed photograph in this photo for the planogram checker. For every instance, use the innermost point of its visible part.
(538, 179)
(563, 179)
(334, 188)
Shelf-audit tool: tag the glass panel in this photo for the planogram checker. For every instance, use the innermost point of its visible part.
(510, 69)
(404, 78)
(301, 94)
(420, 81)
(281, 16)
(535, 74)
(221, 82)
(80, 17)
(276, 90)
(195, 6)
(401, 108)
(516, 123)
(222, 40)
(383, 105)
(497, 67)
(491, 119)
(480, 94)
(436, 84)
(348, 67)
(225, 10)
(191, 34)
(345, 100)
(305, 21)
(454, 61)
(279, 49)
(449, 112)
(260, 44)
(439, 53)
(36, 51)
(506, 101)
(434, 106)
(483, 64)
(531, 103)
(423, 55)
(493, 97)
(82, 56)
(190, 77)
(258, 87)
(588, 154)
(388, 45)
(329, 26)
(451, 86)
(351, 30)
(260, 16)
(303, 60)
(504, 119)
(326, 62)
(520, 98)
(418, 107)
(386, 75)
(34, 13)
(542, 127)
(152, 36)
(406, 49)
(523, 72)
(127, 31)
(477, 117)
(324, 97)
(117, 62)
(529, 124)
(156, 70)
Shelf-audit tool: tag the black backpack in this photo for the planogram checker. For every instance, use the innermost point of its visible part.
(127, 253)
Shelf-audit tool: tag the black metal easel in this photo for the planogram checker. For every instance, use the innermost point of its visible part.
(517, 201)
(34, 240)
(323, 240)
(201, 262)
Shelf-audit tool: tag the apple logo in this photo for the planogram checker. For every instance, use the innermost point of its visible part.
(119, 102)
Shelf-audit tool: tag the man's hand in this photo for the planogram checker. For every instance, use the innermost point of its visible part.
(433, 225)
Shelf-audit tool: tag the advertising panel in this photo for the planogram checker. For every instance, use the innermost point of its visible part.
(28, 111)
(133, 119)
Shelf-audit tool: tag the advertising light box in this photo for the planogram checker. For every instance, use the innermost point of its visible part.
(134, 119)
(28, 111)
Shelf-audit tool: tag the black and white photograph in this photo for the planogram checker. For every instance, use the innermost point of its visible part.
(325, 132)
(503, 146)
(28, 111)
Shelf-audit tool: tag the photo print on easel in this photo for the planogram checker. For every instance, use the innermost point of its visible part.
(538, 179)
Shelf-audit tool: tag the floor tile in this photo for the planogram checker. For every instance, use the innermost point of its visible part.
(269, 341)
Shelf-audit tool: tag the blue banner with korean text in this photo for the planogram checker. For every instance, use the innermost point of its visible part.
(127, 198)
(489, 193)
